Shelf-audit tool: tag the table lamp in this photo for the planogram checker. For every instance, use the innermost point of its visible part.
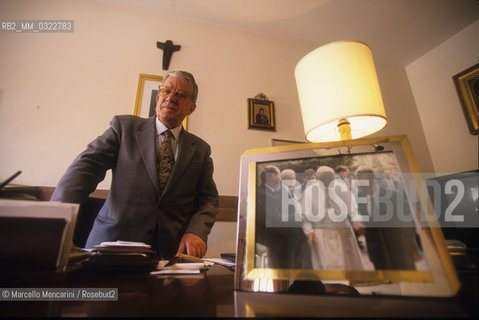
(339, 92)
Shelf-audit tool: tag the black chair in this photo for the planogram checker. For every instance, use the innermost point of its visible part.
(86, 217)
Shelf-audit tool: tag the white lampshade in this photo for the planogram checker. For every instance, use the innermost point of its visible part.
(335, 82)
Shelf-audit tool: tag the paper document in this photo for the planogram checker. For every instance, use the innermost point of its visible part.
(220, 261)
(187, 268)
(184, 266)
(121, 243)
(176, 271)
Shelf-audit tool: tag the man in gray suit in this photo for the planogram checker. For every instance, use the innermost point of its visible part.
(392, 243)
(175, 219)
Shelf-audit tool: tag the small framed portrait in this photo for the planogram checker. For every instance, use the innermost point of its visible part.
(467, 86)
(339, 213)
(261, 114)
(145, 102)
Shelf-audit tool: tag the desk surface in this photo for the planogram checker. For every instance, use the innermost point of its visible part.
(152, 296)
(141, 295)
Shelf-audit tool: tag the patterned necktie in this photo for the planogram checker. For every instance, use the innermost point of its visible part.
(167, 159)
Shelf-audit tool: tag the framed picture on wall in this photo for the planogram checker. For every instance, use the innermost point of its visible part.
(147, 90)
(362, 220)
(261, 114)
(467, 86)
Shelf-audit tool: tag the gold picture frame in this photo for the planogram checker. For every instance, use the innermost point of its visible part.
(467, 86)
(146, 93)
(432, 274)
(261, 114)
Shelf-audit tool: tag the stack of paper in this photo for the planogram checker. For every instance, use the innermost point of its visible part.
(122, 256)
(166, 267)
(120, 244)
(180, 268)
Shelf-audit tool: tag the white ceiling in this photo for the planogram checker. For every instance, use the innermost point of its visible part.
(397, 30)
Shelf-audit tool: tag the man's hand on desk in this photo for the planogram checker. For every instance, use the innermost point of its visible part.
(192, 245)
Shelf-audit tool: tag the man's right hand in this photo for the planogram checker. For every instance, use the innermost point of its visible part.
(192, 245)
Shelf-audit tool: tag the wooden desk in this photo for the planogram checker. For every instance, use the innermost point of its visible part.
(139, 295)
(293, 305)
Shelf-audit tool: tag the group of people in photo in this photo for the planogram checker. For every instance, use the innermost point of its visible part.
(323, 219)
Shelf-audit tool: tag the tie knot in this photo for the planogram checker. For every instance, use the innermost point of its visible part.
(168, 135)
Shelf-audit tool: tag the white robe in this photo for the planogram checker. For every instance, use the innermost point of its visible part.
(328, 218)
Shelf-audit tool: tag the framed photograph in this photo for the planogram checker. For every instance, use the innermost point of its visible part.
(342, 212)
(147, 90)
(261, 114)
(467, 86)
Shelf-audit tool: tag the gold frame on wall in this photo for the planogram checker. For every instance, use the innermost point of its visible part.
(146, 92)
(254, 108)
(467, 86)
(439, 279)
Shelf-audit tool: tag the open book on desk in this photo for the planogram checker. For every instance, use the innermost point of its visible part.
(36, 235)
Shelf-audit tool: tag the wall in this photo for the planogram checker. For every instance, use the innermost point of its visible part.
(59, 91)
(452, 147)
(401, 111)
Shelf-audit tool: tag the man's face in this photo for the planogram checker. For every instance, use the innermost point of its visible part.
(344, 174)
(173, 107)
(309, 177)
(387, 174)
(289, 180)
(326, 178)
(273, 180)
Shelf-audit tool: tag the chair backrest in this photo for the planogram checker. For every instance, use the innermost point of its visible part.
(86, 217)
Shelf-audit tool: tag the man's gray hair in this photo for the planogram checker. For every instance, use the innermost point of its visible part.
(186, 76)
(288, 174)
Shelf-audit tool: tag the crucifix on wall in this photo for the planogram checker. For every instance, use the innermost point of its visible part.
(168, 48)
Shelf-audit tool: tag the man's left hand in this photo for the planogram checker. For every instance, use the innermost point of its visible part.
(193, 245)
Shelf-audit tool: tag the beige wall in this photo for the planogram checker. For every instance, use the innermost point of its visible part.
(59, 91)
(452, 147)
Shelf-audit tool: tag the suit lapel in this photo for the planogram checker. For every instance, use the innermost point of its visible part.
(185, 154)
(146, 139)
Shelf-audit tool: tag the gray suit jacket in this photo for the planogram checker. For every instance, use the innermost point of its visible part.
(134, 209)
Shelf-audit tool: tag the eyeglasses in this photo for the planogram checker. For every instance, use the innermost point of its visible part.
(179, 94)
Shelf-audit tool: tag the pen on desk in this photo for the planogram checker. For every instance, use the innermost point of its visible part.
(191, 258)
(182, 258)
(13, 176)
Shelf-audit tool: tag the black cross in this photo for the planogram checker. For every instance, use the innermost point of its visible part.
(168, 48)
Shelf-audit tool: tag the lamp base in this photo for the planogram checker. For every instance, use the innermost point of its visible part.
(344, 129)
